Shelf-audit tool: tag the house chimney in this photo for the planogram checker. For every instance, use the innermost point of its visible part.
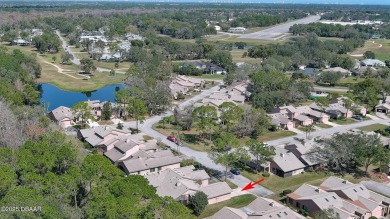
(317, 190)
(345, 181)
(281, 154)
(272, 204)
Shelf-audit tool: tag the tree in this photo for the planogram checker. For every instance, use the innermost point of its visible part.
(198, 202)
(369, 55)
(183, 117)
(106, 111)
(112, 72)
(309, 129)
(240, 45)
(66, 57)
(326, 214)
(137, 110)
(230, 114)
(226, 151)
(223, 59)
(347, 103)
(81, 111)
(253, 123)
(262, 152)
(8, 179)
(124, 97)
(87, 65)
(54, 58)
(262, 51)
(329, 78)
(205, 118)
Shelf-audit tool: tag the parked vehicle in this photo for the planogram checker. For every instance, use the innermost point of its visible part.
(235, 171)
(172, 139)
(357, 117)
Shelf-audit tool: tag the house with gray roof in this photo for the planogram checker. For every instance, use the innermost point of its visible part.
(258, 209)
(181, 183)
(357, 194)
(102, 137)
(63, 116)
(373, 63)
(313, 199)
(285, 163)
(334, 110)
(383, 106)
(343, 71)
(304, 151)
(127, 146)
(144, 163)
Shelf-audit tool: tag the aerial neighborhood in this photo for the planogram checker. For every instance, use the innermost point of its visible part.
(194, 110)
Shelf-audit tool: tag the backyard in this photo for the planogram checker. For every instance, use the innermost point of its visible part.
(235, 202)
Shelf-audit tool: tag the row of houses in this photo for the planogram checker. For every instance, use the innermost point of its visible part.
(137, 154)
(235, 93)
(289, 117)
(183, 85)
(345, 199)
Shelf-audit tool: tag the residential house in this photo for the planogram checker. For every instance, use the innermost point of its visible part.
(96, 107)
(357, 194)
(102, 137)
(305, 153)
(373, 63)
(279, 120)
(335, 110)
(128, 145)
(144, 163)
(260, 208)
(285, 163)
(313, 199)
(21, 42)
(63, 116)
(365, 70)
(343, 71)
(380, 188)
(182, 183)
(383, 106)
(311, 72)
(354, 107)
(314, 115)
(183, 85)
(294, 115)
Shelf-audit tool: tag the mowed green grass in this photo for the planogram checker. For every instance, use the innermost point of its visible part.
(235, 202)
(373, 128)
(381, 53)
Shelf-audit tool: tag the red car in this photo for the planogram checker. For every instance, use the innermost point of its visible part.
(172, 139)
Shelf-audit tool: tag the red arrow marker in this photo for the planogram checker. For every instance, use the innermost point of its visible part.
(251, 185)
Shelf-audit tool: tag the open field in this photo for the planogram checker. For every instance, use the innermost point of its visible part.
(228, 38)
(380, 47)
(235, 202)
(237, 56)
(372, 128)
(65, 76)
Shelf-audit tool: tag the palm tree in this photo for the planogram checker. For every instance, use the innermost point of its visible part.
(309, 129)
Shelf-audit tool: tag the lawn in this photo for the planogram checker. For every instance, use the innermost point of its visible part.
(344, 121)
(231, 185)
(278, 184)
(235, 202)
(381, 53)
(227, 38)
(303, 129)
(69, 79)
(372, 128)
(237, 56)
(323, 125)
(269, 136)
(208, 76)
(350, 80)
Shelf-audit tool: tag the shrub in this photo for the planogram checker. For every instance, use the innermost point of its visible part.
(198, 202)
(119, 126)
(287, 191)
(266, 174)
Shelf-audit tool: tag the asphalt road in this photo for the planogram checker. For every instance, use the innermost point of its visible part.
(199, 156)
(278, 31)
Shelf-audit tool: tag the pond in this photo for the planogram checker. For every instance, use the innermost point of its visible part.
(54, 97)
